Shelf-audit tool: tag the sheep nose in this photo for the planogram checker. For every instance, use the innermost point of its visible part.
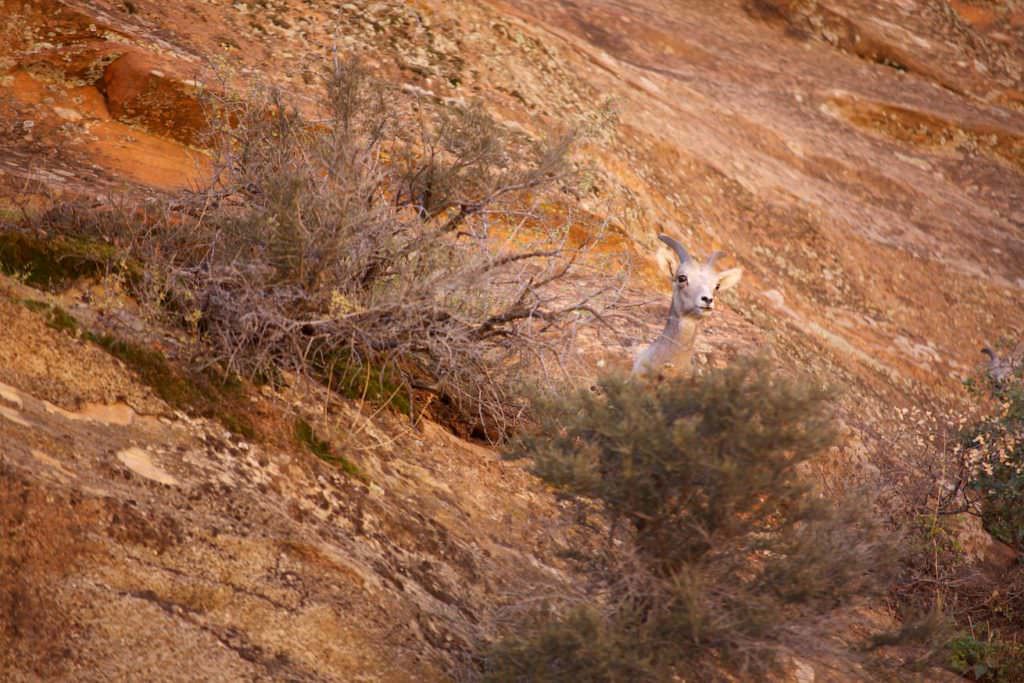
(707, 300)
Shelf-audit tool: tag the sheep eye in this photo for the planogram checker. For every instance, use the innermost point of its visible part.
(717, 286)
(681, 279)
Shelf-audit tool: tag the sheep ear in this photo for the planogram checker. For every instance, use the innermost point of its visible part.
(665, 263)
(727, 279)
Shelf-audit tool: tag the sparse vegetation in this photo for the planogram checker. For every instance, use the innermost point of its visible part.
(735, 555)
(974, 475)
(61, 320)
(365, 381)
(583, 645)
(307, 437)
(56, 317)
(205, 393)
(387, 239)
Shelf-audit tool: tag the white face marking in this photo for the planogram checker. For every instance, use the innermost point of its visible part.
(694, 284)
(694, 288)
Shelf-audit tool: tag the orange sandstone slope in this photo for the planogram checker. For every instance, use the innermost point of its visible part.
(864, 162)
(881, 206)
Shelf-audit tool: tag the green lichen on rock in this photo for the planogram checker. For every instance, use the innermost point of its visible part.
(53, 264)
(307, 436)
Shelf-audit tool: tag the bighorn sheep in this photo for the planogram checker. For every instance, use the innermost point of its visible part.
(694, 286)
(1000, 370)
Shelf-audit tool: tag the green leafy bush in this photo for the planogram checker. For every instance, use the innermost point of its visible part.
(951, 570)
(987, 660)
(993, 451)
(735, 555)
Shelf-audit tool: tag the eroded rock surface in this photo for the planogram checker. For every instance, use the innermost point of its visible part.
(164, 548)
(862, 160)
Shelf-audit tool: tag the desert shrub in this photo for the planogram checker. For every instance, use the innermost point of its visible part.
(971, 467)
(735, 555)
(991, 659)
(584, 645)
(990, 484)
(391, 233)
(993, 453)
(686, 461)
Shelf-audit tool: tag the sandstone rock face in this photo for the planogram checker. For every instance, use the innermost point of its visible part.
(139, 547)
(980, 547)
(863, 161)
(154, 93)
(105, 102)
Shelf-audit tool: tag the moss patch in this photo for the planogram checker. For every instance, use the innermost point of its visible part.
(62, 321)
(307, 437)
(206, 394)
(53, 264)
(36, 306)
(56, 317)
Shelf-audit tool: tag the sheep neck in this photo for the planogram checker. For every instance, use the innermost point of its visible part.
(680, 333)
